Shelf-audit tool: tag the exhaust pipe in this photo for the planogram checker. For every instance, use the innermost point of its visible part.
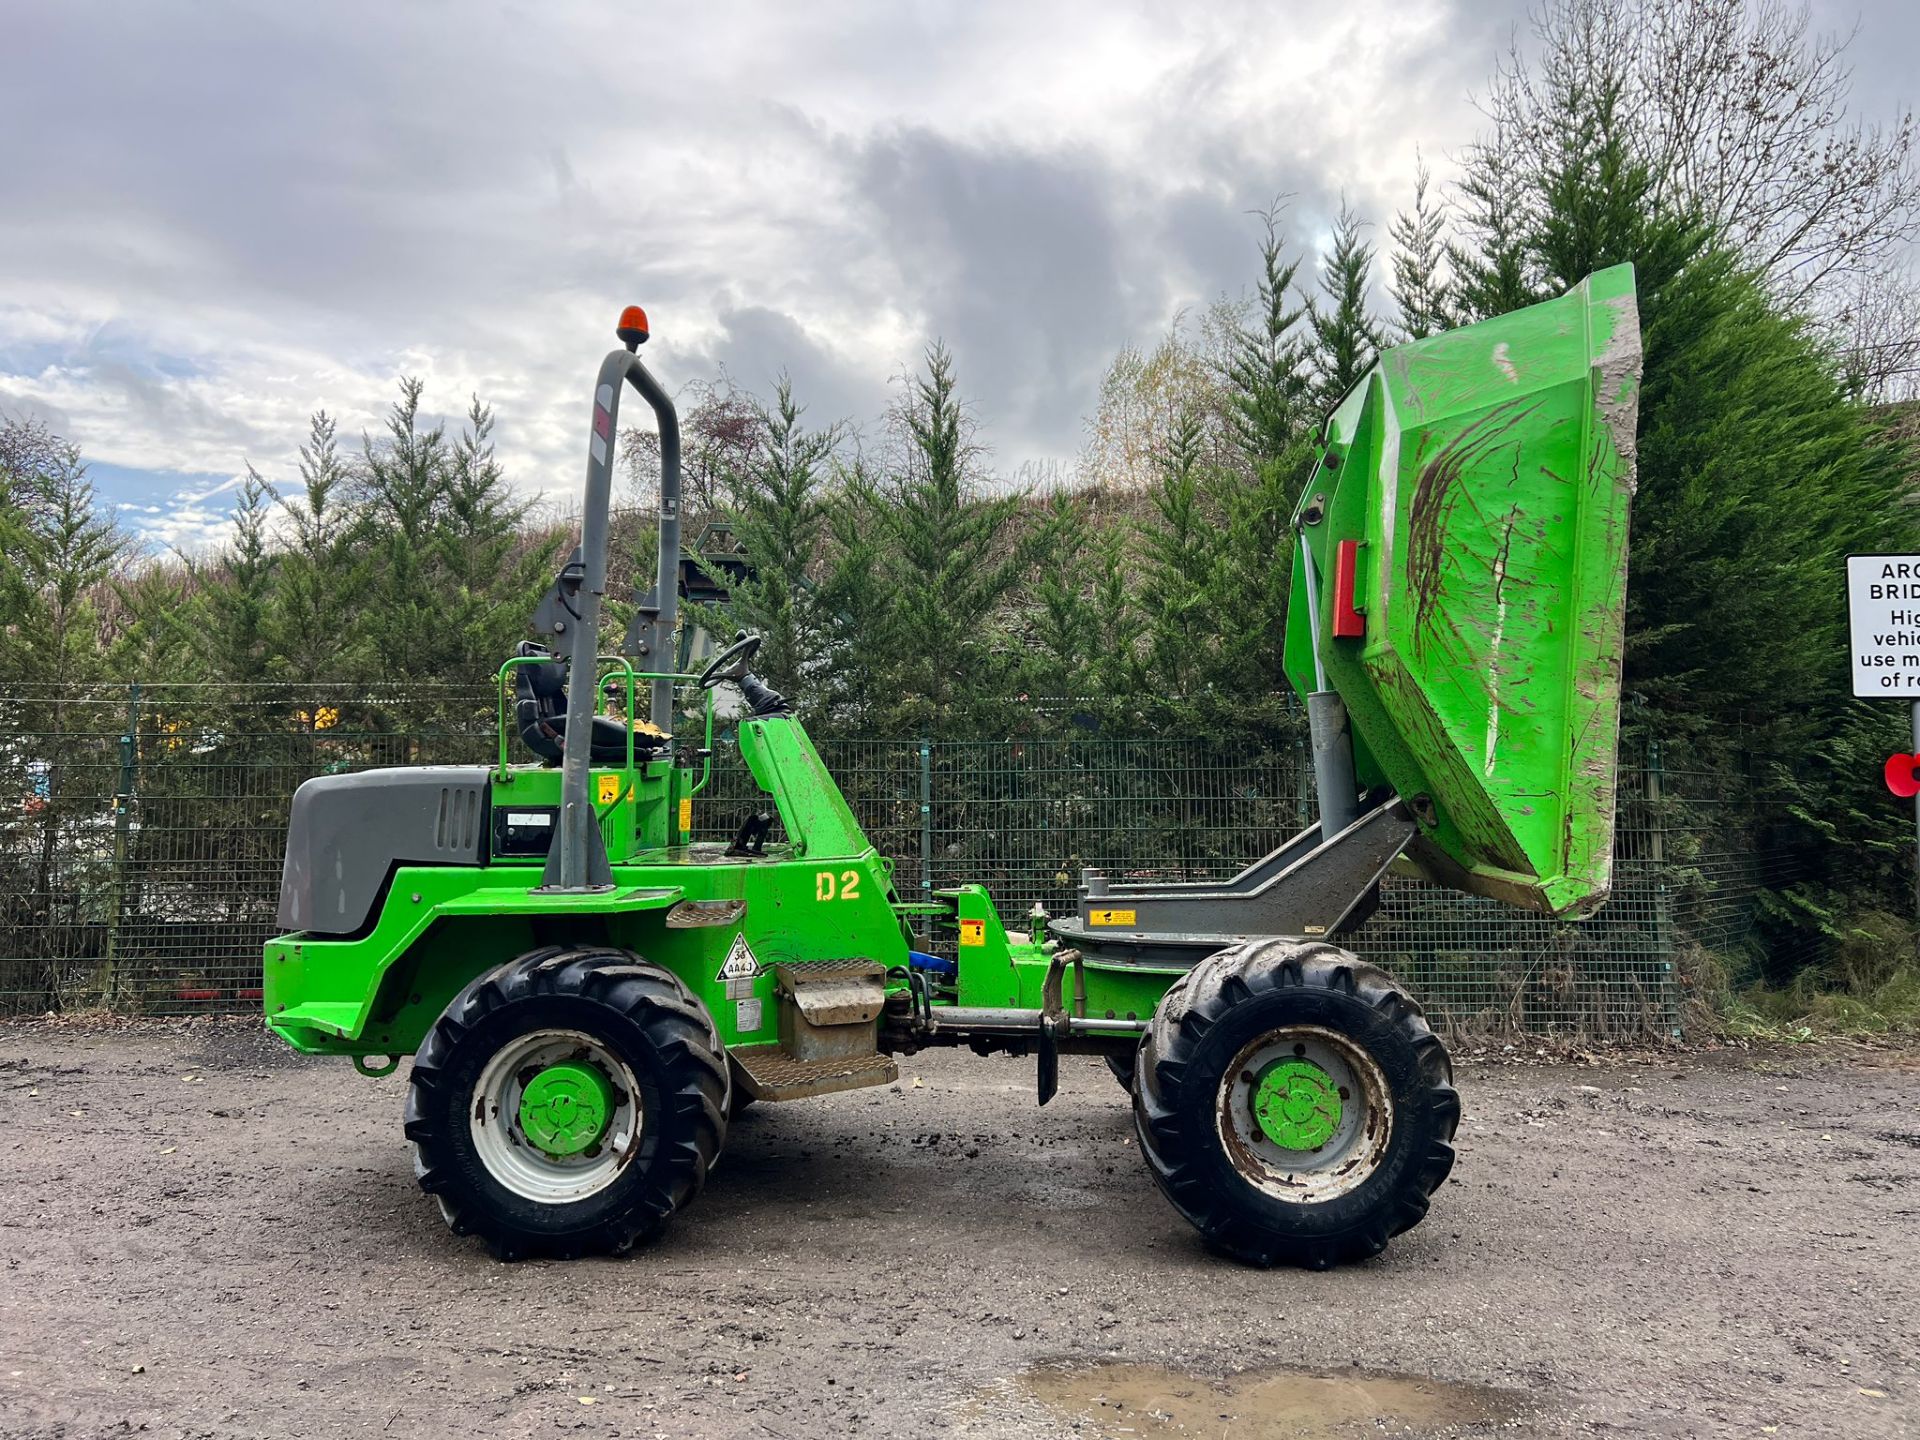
(577, 861)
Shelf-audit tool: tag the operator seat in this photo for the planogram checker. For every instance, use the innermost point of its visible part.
(540, 708)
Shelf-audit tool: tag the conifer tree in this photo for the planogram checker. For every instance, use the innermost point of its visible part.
(228, 623)
(141, 631)
(946, 553)
(70, 549)
(1179, 564)
(323, 573)
(1419, 282)
(776, 492)
(854, 603)
(401, 486)
(1270, 391)
(1345, 338)
(490, 573)
(1113, 618)
(1271, 397)
(1066, 628)
(28, 451)
(1489, 258)
(1756, 475)
(1595, 198)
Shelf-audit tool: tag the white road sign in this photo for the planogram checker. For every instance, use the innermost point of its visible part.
(1883, 611)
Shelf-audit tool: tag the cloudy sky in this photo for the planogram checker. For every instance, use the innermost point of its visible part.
(216, 218)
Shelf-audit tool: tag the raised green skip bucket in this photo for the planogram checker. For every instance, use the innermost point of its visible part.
(1486, 475)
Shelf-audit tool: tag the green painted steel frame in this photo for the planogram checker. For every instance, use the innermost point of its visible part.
(825, 893)
(631, 676)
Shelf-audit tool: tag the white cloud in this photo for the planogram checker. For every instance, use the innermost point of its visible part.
(259, 211)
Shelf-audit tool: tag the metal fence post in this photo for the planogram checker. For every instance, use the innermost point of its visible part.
(926, 824)
(122, 826)
(1662, 900)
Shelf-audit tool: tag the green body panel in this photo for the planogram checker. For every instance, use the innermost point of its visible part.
(826, 894)
(1486, 474)
(1003, 971)
(643, 813)
(380, 994)
(814, 813)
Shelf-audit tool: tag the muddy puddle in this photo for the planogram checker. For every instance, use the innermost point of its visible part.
(1149, 1401)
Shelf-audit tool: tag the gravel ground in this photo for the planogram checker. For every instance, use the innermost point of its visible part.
(208, 1236)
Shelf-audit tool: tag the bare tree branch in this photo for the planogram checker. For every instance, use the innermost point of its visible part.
(1744, 119)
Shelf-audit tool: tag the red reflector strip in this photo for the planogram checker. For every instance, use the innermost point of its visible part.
(602, 423)
(1348, 623)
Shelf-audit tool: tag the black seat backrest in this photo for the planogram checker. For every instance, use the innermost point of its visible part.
(547, 683)
(540, 710)
(540, 695)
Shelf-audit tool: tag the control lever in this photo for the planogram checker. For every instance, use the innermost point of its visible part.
(751, 837)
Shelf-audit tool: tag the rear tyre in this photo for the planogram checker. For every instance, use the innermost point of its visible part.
(1293, 1105)
(568, 1103)
(1122, 1068)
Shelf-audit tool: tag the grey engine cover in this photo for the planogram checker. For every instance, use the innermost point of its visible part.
(348, 831)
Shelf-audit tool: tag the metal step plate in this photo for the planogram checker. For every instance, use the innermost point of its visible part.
(770, 1073)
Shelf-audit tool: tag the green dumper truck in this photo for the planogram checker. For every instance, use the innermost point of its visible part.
(590, 995)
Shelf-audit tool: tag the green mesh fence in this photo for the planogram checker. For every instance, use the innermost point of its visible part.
(141, 831)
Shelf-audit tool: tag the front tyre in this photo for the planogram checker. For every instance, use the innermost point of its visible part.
(567, 1103)
(1293, 1105)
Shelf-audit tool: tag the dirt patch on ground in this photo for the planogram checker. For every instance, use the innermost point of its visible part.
(1115, 1399)
(207, 1236)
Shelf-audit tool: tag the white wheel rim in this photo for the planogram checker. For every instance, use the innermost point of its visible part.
(493, 1119)
(1351, 1153)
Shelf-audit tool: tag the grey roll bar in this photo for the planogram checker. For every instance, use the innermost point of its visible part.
(577, 861)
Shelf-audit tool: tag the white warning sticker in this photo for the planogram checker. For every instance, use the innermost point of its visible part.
(740, 963)
(747, 1016)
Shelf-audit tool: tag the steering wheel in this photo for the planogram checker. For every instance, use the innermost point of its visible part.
(731, 663)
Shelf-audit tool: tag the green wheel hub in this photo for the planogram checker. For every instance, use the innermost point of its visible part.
(565, 1108)
(1297, 1105)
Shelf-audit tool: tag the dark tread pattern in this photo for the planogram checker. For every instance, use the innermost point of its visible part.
(1197, 1002)
(695, 1085)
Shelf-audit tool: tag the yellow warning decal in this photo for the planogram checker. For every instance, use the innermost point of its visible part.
(973, 932)
(1110, 917)
(686, 814)
(609, 789)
